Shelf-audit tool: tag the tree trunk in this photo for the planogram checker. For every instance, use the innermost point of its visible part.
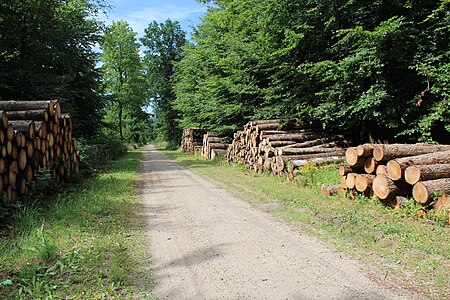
(120, 121)
(28, 105)
(396, 167)
(423, 190)
(345, 169)
(418, 173)
(365, 150)
(388, 152)
(384, 187)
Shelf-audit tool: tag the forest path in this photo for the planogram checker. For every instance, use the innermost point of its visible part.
(208, 244)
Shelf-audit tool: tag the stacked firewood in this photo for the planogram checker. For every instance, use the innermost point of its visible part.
(397, 171)
(272, 146)
(192, 140)
(34, 136)
(213, 145)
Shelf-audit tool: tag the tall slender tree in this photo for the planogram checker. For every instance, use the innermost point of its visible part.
(122, 66)
(163, 44)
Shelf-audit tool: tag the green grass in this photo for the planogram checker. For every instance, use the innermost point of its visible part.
(409, 252)
(85, 243)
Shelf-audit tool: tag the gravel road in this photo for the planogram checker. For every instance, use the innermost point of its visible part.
(208, 244)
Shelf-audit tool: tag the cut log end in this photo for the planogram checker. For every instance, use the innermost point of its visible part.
(394, 170)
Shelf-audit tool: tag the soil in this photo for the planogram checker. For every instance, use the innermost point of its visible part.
(208, 244)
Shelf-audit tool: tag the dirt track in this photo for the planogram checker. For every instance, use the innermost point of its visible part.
(208, 244)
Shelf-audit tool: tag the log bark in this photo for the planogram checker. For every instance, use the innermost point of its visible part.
(396, 167)
(418, 173)
(315, 155)
(365, 150)
(389, 152)
(4, 120)
(310, 150)
(217, 152)
(300, 137)
(345, 169)
(28, 105)
(384, 187)
(31, 115)
(318, 161)
(330, 190)
(27, 127)
(333, 140)
(423, 190)
(276, 144)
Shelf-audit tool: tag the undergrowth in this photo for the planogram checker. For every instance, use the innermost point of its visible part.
(77, 244)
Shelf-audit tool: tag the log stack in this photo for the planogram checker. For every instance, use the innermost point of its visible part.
(34, 136)
(192, 140)
(276, 147)
(394, 172)
(213, 145)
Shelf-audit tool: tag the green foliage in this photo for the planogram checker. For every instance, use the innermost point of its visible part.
(162, 43)
(358, 67)
(95, 152)
(46, 52)
(123, 74)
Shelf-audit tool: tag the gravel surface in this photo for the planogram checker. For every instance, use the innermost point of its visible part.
(208, 244)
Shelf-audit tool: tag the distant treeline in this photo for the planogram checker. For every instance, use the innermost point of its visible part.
(377, 69)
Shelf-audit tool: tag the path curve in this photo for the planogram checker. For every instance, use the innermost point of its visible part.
(209, 244)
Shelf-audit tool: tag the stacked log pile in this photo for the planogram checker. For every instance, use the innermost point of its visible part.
(192, 140)
(398, 171)
(213, 145)
(275, 147)
(34, 136)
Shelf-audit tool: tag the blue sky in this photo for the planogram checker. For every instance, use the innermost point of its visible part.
(139, 13)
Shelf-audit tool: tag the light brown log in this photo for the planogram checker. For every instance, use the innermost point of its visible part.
(12, 176)
(350, 180)
(210, 145)
(299, 137)
(310, 150)
(381, 169)
(3, 120)
(388, 152)
(9, 147)
(352, 157)
(314, 155)
(330, 190)
(384, 187)
(10, 133)
(414, 174)
(318, 161)
(14, 152)
(442, 207)
(259, 122)
(396, 167)
(22, 159)
(217, 152)
(423, 190)
(344, 181)
(280, 143)
(365, 150)
(370, 165)
(34, 115)
(333, 140)
(363, 182)
(2, 137)
(3, 151)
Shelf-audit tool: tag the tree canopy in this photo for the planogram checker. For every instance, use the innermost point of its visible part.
(367, 68)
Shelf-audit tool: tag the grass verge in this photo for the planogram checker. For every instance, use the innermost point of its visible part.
(412, 253)
(81, 244)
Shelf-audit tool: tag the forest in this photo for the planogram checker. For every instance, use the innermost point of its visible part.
(372, 70)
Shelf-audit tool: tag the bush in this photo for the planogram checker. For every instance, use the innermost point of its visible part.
(98, 150)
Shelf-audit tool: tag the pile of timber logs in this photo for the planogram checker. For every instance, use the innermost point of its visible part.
(272, 146)
(213, 145)
(397, 171)
(192, 140)
(34, 136)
